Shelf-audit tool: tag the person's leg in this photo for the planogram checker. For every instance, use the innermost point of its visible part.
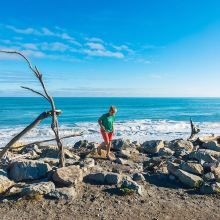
(110, 135)
(106, 140)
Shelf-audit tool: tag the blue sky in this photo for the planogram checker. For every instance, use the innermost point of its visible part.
(113, 48)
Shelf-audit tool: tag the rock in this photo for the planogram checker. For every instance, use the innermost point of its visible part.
(153, 146)
(209, 176)
(126, 154)
(3, 173)
(96, 178)
(211, 145)
(31, 148)
(189, 179)
(121, 161)
(193, 168)
(15, 189)
(113, 178)
(119, 144)
(88, 163)
(28, 170)
(178, 145)
(40, 188)
(172, 168)
(81, 144)
(138, 177)
(129, 186)
(67, 176)
(165, 152)
(63, 193)
(210, 188)
(5, 183)
(202, 155)
(212, 153)
(215, 169)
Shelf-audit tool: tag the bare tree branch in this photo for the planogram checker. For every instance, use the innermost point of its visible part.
(194, 130)
(34, 91)
(54, 124)
(41, 117)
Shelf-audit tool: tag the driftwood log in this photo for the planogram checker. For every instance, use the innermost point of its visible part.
(194, 130)
(45, 94)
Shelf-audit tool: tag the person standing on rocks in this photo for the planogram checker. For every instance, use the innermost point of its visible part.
(106, 122)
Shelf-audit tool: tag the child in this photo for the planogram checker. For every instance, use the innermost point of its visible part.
(106, 123)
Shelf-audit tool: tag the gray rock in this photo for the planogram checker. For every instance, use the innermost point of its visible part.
(202, 155)
(28, 170)
(129, 185)
(67, 176)
(96, 178)
(81, 144)
(138, 177)
(208, 176)
(119, 144)
(3, 173)
(210, 188)
(88, 163)
(121, 161)
(67, 193)
(165, 152)
(40, 188)
(31, 148)
(153, 146)
(193, 168)
(113, 178)
(211, 145)
(178, 145)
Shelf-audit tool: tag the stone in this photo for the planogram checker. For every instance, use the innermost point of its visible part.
(5, 183)
(152, 147)
(28, 170)
(31, 148)
(119, 144)
(208, 176)
(96, 178)
(211, 145)
(3, 173)
(202, 155)
(15, 189)
(67, 193)
(88, 163)
(67, 176)
(81, 144)
(138, 177)
(172, 167)
(129, 186)
(189, 179)
(193, 168)
(40, 188)
(120, 161)
(113, 178)
(210, 188)
(165, 152)
(212, 153)
(178, 145)
(126, 154)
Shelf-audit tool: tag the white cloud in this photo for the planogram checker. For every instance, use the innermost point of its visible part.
(96, 46)
(23, 31)
(94, 39)
(103, 53)
(30, 46)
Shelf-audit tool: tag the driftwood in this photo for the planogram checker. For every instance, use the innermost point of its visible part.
(41, 117)
(45, 94)
(194, 130)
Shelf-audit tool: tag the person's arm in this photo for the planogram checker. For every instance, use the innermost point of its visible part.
(100, 124)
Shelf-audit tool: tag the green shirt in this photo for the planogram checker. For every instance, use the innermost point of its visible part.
(107, 121)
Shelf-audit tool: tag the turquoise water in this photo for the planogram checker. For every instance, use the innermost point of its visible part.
(137, 118)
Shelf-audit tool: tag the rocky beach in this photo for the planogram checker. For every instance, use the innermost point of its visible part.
(157, 179)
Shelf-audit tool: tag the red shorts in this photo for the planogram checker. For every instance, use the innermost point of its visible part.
(107, 136)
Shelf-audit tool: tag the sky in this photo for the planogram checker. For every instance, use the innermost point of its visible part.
(112, 48)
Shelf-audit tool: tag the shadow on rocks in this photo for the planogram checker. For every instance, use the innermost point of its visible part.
(114, 191)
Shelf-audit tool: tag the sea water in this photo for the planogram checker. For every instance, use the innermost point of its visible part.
(137, 118)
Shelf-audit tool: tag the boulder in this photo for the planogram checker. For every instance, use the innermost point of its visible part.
(121, 161)
(5, 183)
(152, 147)
(31, 148)
(119, 144)
(63, 193)
(138, 177)
(81, 144)
(215, 169)
(96, 178)
(211, 145)
(28, 170)
(67, 176)
(129, 186)
(113, 178)
(193, 168)
(172, 168)
(180, 144)
(208, 176)
(87, 163)
(210, 188)
(212, 153)
(189, 179)
(202, 155)
(40, 188)
(165, 152)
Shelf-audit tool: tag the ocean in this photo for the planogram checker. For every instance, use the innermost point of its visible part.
(137, 118)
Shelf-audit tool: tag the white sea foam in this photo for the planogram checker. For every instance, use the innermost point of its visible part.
(139, 130)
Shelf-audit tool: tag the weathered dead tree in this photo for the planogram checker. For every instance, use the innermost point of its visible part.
(194, 130)
(45, 94)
